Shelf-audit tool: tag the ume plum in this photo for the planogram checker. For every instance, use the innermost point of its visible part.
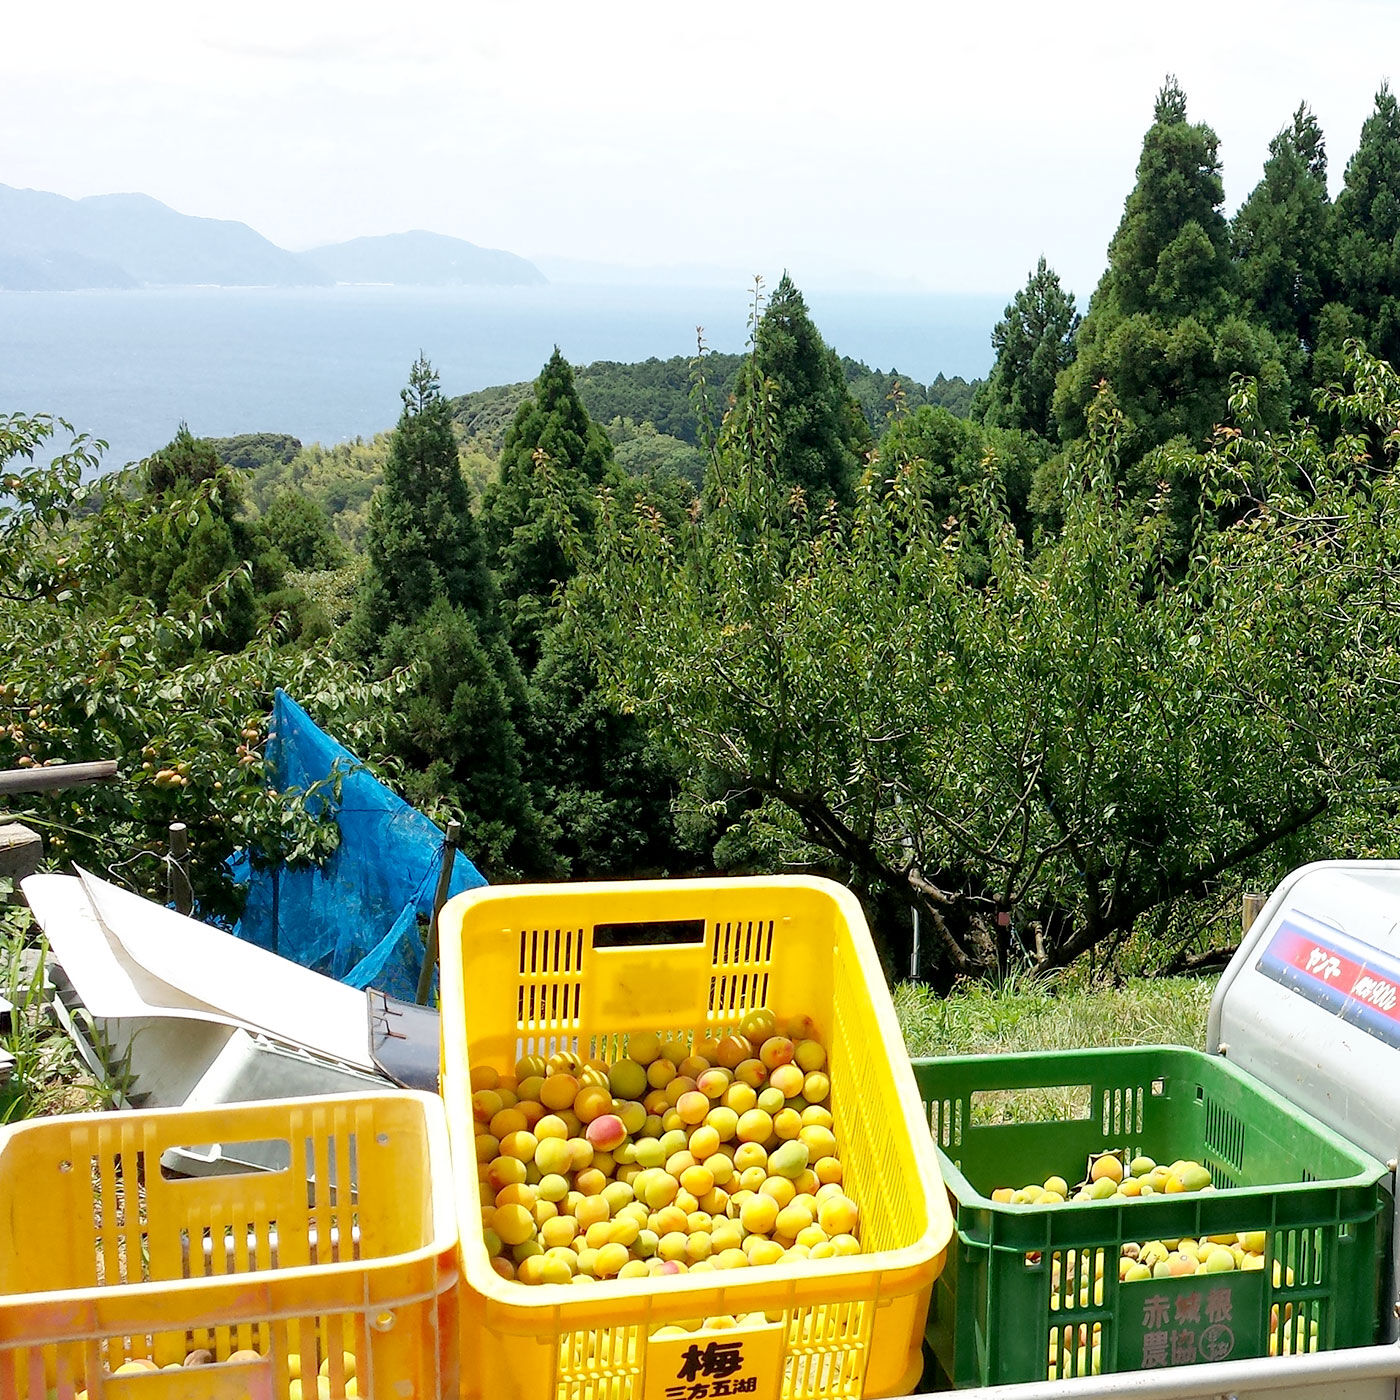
(679, 1157)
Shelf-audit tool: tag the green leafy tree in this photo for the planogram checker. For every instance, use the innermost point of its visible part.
(818, 432)
(883, 396)
(195, 541)
(955, 394)
(643, 453)
(652, 391)
(959, 457)
(606, 780)
(659, 392)
(485, 415)
(183, 462)
(251, 451)
(593, 770)
(1282, 236)
(297, 528)
(606, 786)
(553, 458)
(295, 544)
(1164, 328)
(428, 606)
(1033, 341)
(341, 479)
(1063, 755)
(423, 543)
(1170, 255)
(457, 734)
(90, 671)
(1367, 230)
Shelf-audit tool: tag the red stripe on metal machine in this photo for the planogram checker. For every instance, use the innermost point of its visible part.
(1357, 983)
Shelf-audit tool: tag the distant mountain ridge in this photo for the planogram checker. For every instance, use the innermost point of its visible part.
(427, 259)
(120, 241)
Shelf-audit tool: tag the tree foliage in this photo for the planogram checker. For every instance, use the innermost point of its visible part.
(1282, 235)
(297, 528)
(93, 672)
(606, 786)
(1054, 757)
(818, 431)
(554, 456)
(1170, 254)
(652, 391)
(196, 540)
(642, 452)
(422, 544)
(341, 479)
(882, 396)
(428, 606)
(958, 454)
(199, 537)
(1048, 696)
(250, 451)
(456, 733)
(606, 780)
(183, 462)
(1033, 341)
(1164, 327)
(1367, 223)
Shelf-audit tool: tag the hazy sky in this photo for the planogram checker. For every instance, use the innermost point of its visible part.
(947, 145)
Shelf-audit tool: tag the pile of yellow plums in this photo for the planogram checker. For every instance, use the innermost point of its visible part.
(317, 1386)
(677, 1157)
(1077, 1276)
(1110, 1175)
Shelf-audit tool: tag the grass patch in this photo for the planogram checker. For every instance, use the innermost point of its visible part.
(1053, 1014)
(47, 1075)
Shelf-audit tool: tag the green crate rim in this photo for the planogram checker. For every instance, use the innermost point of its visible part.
(1368, 1170)
(994, 1232)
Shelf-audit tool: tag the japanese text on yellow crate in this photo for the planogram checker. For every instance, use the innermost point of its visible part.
(708, 1364)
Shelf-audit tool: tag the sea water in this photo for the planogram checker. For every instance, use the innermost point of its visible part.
(327, 364)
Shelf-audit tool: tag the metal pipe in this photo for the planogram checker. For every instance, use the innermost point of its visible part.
(52, 777)
(1321, 1372)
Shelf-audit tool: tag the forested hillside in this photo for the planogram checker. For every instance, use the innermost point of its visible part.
(647, 410)
(659, 392)
(1056, 662)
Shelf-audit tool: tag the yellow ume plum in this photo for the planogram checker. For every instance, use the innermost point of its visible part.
(678, 1157)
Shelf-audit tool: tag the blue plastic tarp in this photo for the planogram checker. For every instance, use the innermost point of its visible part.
(355, 917)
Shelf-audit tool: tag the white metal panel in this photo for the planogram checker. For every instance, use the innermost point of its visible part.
(250, 985)
(130, 958)
(1310, 1004)
(1363, 1373)
(251, 1067)
(108, 981)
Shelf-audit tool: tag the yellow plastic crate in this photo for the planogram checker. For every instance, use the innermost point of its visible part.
(350, 1250)
(536, 968)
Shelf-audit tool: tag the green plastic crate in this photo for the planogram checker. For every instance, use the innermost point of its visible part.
(995, 1318)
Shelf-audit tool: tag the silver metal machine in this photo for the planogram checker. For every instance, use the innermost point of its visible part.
(1310, 1006)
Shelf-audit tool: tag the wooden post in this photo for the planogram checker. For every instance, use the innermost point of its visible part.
(430, 952)
(1250, 907)
(51, 777)
(21, 851)
(177, 884)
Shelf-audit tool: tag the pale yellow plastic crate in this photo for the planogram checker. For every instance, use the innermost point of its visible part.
(531, 969)
(351, 1249)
